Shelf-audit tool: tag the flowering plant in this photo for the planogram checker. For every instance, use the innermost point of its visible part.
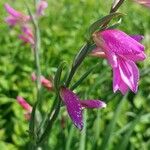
(121, 50)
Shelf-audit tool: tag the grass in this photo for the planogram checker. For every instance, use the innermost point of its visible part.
(63, 31)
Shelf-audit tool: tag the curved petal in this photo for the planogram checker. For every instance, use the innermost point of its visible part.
(46, 83)
(12, 11)
(119, 42)
(118, 83)
(138, 38)
(135, 57)
(116, 79)
(129, 74)
(112, 59)
(73, 105)
(93, 104)
(42, 5)
(123, 88)
(23, 103)
(11, 20)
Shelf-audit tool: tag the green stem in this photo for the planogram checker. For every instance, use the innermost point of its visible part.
(34, 117)
(50, 123)
(115, 8)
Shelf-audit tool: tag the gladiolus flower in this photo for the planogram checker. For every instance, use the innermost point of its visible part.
(42, 5)
(45, 82)
(121, 51)
(143, 2)
(15, 17)
(27, 107)
(27, 35)
(74, 105)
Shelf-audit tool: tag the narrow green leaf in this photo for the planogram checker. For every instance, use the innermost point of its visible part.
(58, 76)
(110, 128)
(70, 137)
(32, 130)
(77, 62)
(124, 143)
(83, 133)
(97, 131)
(84, 76)
(81, 55)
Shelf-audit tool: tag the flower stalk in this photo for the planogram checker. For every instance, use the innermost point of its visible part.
(33, 122)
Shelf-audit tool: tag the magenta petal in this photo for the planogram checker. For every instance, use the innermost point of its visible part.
(98, 52)
(123, 88)
(136, 57)
(116, 79)
(138, 38)
(112, 59)
(73, 105)
(119, 42)
(27, 35)
(23, 103)
(11, 20)
(41, 7)
(12, 11)
(129, 74)
(93, 104)
(118, 83)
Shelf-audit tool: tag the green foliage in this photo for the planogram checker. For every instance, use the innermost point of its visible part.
(63, 31)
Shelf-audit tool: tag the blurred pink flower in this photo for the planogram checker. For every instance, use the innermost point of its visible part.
(27, 107)
(74, 105)
(45, 82)
(24, 104)
(42, 5)
(121, 51)
(143, 2)
(15, 17)
(27, 35)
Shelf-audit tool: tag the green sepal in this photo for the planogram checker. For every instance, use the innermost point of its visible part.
(97, 25)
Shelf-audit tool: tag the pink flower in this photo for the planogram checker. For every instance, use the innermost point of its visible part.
(42, 5)
(45, 82)
(27, 107)
(143, 2)
(27, 35)
(24, 104)
(74, 105)
(15, 17)
(121, 51)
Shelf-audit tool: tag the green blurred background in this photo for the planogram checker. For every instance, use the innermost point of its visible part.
(124, 124)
